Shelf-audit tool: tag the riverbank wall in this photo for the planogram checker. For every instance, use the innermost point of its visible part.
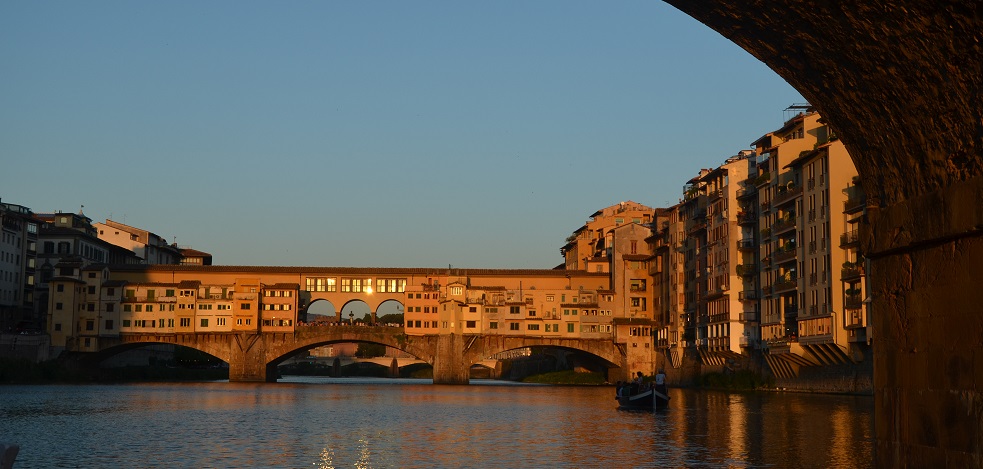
(844, 378)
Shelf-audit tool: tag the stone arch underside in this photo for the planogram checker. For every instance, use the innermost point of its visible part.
(216, 345)
(901, 82)
(306, 338)
(486, 346)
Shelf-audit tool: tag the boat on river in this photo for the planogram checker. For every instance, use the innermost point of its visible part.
(648, 399)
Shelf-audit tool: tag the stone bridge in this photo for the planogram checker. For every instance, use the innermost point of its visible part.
(254, 357)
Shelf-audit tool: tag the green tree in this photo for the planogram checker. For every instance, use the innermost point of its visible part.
(366, 350)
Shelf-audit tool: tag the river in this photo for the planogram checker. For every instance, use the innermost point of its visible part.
(304, 422)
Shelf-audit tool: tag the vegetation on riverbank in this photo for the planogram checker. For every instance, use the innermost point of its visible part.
(566, 377)
(738, 381)
(21, 371)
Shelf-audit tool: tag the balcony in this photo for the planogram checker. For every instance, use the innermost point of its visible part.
(784, 254)
(852, 300)
(850, 238)
(747, 218)
(747, 295)
(714, 195)
(749, 316)
(746, 192)
(717, 292)
(854, 318)
(783, 225)
(853, 205)
(762, 179)
(747, 270)
(784, 284)
(746, 244)
(765, 233)
(851, 271)
(786, 195)
(699, 224)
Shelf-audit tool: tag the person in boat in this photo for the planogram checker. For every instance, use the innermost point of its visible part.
(660, 382)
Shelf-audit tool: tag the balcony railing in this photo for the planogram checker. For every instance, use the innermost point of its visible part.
(746, 192)
(747, 295)
(854, 318)
(851, 272)
(785, 253)
(746, 270)
(783, 225)
(853, 205)
(784, 284)
(749, 316)
(765, 233)
(853, 301)
(786, 195)
(745, 244)
(746, 218)
(849, 238)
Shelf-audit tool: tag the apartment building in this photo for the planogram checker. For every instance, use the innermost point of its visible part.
(18, 268)
(148, 246)
(586, 248)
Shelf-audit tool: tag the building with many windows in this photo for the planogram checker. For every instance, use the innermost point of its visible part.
(18, 268)
(148, 246)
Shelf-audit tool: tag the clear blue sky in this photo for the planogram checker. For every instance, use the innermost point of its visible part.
(403, 134)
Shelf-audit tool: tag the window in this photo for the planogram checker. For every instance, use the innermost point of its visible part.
(91, 290)
(570, 327)
(110, 307)
(244, 306)
(58, 306)
(109, 324)
(493, 325)
(220, 321)
(60, 287)
(90, 325)
(169, 293)
(513, 326)
(321, 284)
(470, 324)
(549, 298)
(390, 285)
(204, 323)
(185, 322)
(513, 310)
(457, 290)
(532, 327)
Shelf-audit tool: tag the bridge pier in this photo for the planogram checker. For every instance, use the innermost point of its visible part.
(449, 364)
(248, 360)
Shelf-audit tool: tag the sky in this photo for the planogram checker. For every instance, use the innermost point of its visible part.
(370, 133)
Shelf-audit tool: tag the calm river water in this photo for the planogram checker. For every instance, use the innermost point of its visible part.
(378, 423)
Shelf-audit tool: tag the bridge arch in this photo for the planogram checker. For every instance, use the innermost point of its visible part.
(314, 336)
(319, 307)
(902, 83)
(607, 351)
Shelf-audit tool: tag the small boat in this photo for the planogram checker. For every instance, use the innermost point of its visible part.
(648, 400)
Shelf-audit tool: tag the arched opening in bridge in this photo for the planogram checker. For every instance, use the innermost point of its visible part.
(343, 359)
(356, 312)
(548, 364)
(321, 311)
(390, 312)
(158, 361)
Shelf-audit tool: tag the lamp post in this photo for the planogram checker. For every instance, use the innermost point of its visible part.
(351, 317)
